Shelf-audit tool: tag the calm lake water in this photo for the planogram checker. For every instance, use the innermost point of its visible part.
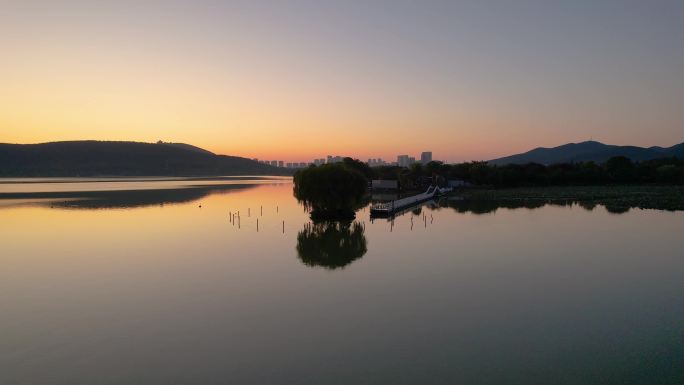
(141, 285)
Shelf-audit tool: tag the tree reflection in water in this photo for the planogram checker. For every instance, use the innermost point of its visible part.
(331, 245)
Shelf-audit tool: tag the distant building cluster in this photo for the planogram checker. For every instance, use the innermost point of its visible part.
(402, 161)
(281, 163)
(376, 162)
(317, 162)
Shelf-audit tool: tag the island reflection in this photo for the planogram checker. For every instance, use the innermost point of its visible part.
(331, 245)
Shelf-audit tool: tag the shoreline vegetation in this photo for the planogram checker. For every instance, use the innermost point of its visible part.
(334, 191)
(616, 198)
(618, 170)
(618, 184)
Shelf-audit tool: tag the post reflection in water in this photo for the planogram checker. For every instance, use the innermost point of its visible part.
(331, 245)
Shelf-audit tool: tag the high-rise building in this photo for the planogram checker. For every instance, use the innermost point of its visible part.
(426, 157)
(274, 163)
(403, 160)
(281, 163)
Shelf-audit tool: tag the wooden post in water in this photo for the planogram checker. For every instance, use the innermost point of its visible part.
(262, 211)
(277, 208)
(283, 227)
(257, 225)
(249, 212)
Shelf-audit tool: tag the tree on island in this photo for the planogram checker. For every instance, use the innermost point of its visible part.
(330, 191)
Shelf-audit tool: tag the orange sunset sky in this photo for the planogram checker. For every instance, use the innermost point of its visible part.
(301, 80)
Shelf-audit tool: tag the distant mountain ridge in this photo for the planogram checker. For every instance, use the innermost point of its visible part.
(589, 151)
(109, 158)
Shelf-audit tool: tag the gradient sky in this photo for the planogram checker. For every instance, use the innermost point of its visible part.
(295, 80)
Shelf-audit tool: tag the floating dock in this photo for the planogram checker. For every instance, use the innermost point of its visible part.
(388, 209)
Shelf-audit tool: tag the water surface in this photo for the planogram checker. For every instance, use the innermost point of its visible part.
(144, 286)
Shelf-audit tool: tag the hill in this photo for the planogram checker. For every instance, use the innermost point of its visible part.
(589, 151)
(99, 158)
(187, 147)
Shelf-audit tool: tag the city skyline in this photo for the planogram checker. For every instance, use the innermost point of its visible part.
(401, 160)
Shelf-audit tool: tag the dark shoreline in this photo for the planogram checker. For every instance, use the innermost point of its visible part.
(660, 197)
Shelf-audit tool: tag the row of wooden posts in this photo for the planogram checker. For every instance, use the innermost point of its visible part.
(236, 215)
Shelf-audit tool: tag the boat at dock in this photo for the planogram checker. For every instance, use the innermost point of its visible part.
(387, 209)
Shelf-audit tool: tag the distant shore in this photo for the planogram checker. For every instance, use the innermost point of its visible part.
(661, 197)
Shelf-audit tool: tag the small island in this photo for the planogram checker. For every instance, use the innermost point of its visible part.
(333, 191)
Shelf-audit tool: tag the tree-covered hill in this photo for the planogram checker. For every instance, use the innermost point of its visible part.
(100, 158)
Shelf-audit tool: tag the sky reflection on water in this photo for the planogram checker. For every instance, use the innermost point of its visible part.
(156, 289)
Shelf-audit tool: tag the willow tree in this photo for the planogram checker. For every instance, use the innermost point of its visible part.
(330, 191)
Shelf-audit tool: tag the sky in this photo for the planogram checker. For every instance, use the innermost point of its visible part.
(297, 80)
